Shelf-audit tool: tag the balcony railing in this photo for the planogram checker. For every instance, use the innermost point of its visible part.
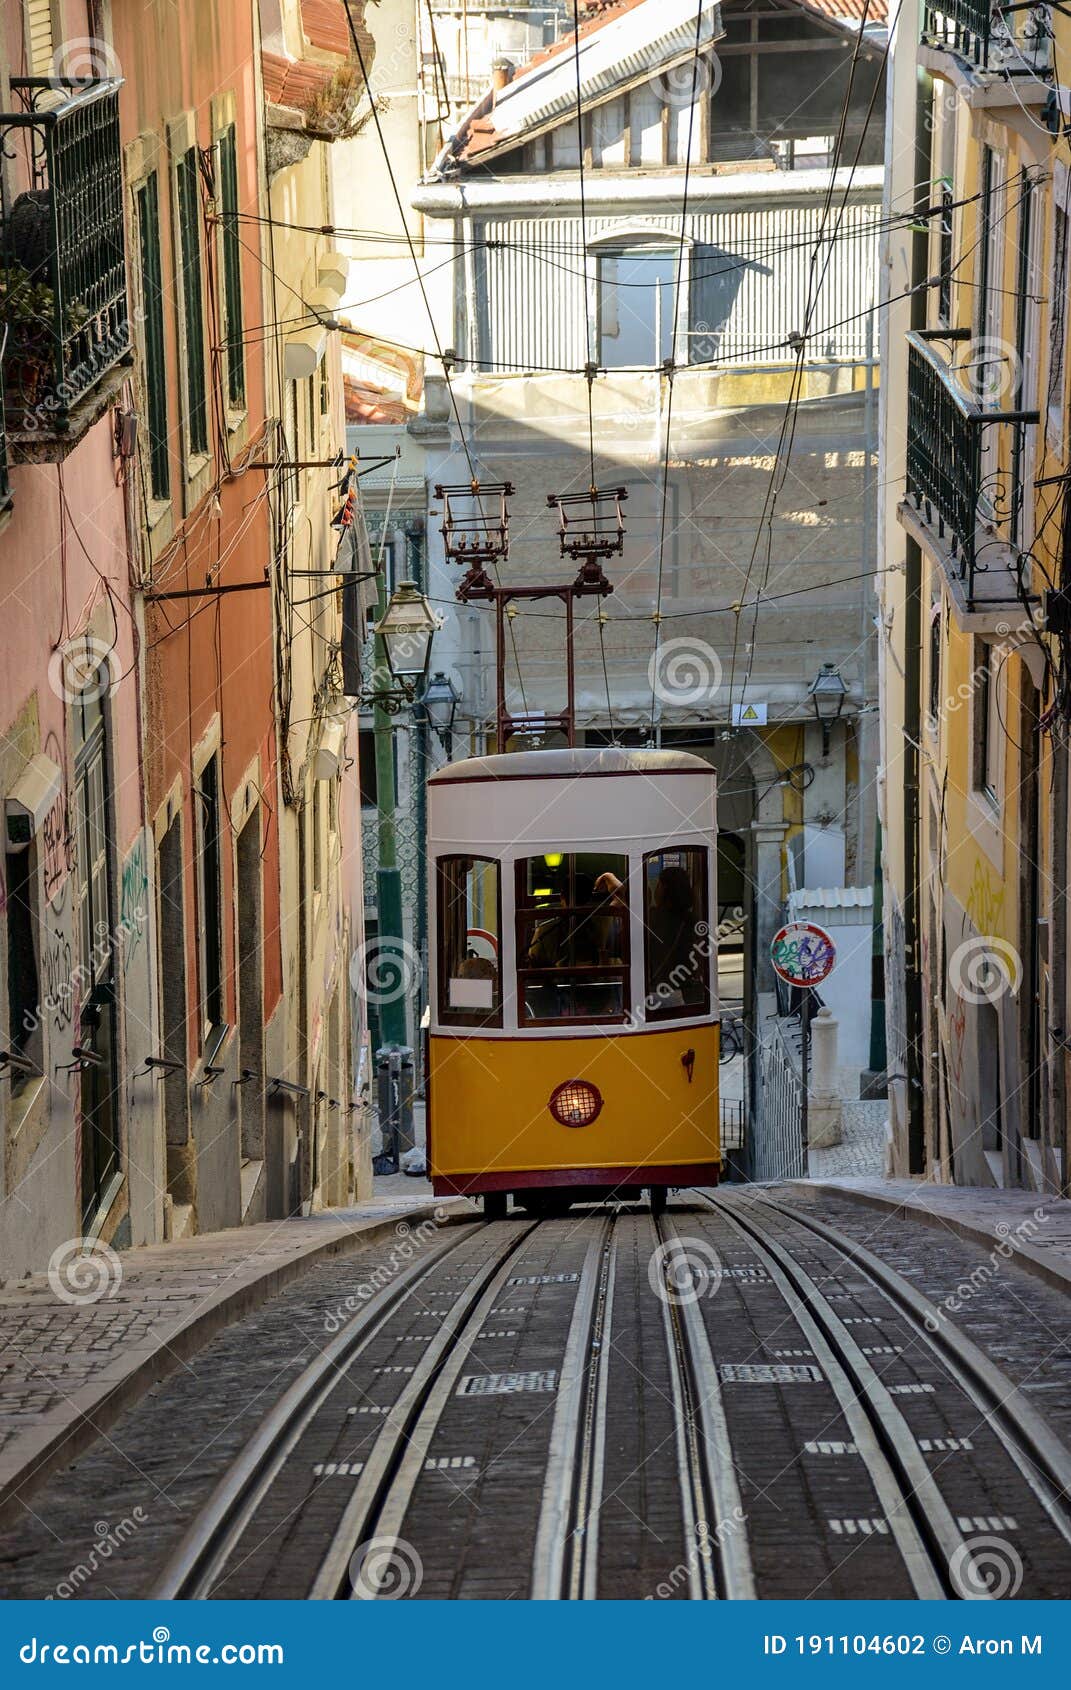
(964, 478)
(63, 291)
(989, 36)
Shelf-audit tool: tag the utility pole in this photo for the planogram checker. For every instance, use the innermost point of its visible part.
(390, 957)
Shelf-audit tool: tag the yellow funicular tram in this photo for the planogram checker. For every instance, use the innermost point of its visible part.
(573, 1045)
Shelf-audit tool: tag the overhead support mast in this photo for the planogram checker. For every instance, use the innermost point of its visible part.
(475, 532)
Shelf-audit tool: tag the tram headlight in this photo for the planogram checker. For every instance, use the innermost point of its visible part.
(575, 1103)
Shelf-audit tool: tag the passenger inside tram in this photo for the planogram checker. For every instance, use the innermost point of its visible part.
(676, 931)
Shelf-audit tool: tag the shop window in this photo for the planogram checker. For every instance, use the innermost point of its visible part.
(677, 945)
(470, 991)
(572, 937)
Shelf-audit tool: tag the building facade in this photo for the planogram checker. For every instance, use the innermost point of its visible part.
(182, 1034)
(82, 1139)
(973, 650)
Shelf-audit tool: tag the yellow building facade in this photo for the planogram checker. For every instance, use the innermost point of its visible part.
(973, 784)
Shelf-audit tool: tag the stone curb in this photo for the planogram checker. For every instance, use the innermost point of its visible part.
(32, 1457)
(1042, 1264)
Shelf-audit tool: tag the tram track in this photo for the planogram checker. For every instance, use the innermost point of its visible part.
(1040, 1455)
(930, 1540)
(200, 1559)
(380, 1514)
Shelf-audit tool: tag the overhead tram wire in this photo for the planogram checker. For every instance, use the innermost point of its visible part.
(669, 396)
(396, 191)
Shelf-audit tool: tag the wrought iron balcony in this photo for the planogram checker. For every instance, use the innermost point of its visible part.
(990, 36)
(964, 479)
(63, 292)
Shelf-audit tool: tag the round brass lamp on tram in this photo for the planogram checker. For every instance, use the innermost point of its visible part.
(573, 1042)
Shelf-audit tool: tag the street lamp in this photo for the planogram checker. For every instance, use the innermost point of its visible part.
(407, 628)
(441, 699)
(827, 693)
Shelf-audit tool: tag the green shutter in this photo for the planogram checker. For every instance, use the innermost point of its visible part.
(232, 268)
(192, 307)
(148, 201)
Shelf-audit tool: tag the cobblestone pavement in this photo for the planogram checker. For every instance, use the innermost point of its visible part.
(77, 1345)
(464, 1491)
(861, 1151)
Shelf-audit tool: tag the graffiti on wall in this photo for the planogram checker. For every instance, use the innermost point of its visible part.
(57, 840)
(133, 895)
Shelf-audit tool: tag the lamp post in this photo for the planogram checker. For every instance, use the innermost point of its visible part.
(403, 634)
(827, 693)
(441, 699)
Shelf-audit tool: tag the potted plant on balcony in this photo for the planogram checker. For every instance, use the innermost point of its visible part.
(28, 309)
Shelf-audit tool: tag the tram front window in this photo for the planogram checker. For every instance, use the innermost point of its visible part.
(572, 937)
(469, 927)
(676, 933)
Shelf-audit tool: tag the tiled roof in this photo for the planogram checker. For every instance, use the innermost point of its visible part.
(853, 11)
(366, 403)
(294, 82)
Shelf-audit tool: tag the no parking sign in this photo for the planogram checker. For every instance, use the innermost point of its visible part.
(802, 954)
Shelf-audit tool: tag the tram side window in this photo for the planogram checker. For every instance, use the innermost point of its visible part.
(676, 933)
(572, 937)
(469, 939)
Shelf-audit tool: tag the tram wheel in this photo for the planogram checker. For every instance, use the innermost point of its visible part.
(495, 1205)
(659, 1193)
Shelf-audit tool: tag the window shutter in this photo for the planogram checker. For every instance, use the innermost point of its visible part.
(40, 44)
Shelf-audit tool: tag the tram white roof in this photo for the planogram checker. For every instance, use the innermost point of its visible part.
(542, 800)
(567, 764)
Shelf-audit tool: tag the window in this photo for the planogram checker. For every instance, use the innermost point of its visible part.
(944, 254)
(470, 920)
(572, 937)
(635, 316)
(189, 218)
(95, 1029)
(934, 712)
(989, 734)
(232, 268)
(23, 993)
(151, 289)
(1054, 426)
(209, 936)
(676, 934)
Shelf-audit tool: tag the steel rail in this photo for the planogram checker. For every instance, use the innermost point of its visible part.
(195, 1564)
(565, 1558)
(396, 1460)
(1041, 1456)
(920, 1519)
(710, 1493)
